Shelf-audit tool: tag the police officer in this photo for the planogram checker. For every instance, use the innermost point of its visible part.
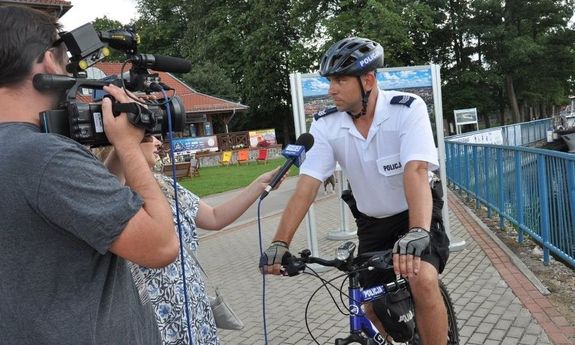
(384, 142)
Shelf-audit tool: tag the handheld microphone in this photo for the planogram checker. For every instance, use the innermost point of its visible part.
(162, 63)
(295, 154)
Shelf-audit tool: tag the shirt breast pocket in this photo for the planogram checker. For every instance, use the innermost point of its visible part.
(392, 169)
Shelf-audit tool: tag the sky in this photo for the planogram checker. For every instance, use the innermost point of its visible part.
(84, 11)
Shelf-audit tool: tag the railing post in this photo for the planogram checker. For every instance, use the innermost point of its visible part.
(571, 201)
(466, 172)
(543, 206)
(486, 165)
(476, 174)
(501, 192)
(457, 166)
(518, 191)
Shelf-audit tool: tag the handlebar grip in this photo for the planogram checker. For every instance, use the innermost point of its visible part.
(292, 266)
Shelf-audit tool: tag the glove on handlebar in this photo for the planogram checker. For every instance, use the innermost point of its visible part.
(415, 242)
(277, 253)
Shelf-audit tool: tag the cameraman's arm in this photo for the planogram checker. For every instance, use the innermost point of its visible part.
(149, 238)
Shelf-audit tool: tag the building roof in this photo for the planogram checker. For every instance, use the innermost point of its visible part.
(57, 7)
(194, 102)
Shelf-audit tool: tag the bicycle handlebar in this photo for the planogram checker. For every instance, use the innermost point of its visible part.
(381, 260)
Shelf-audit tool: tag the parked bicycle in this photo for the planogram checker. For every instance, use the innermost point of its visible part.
(361, 329)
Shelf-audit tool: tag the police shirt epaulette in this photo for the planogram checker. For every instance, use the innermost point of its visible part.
(324, 112)
(403, 100)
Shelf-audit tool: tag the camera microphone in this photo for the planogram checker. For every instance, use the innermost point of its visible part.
(162, 63)
(43, 82)
(295, 154)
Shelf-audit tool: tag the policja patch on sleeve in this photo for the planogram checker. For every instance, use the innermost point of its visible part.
(324, 112)
(403, 100)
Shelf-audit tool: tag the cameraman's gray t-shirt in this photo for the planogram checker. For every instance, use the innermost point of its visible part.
(60, 211)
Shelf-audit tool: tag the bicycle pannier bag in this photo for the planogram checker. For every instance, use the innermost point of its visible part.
(396, 313)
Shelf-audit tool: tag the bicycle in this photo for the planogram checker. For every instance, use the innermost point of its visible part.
(361, 329)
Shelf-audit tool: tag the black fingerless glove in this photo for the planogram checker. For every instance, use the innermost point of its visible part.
(276, 253)
(415, 242)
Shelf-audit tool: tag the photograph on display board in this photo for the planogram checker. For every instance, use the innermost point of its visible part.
(262, 138)
(416, 80)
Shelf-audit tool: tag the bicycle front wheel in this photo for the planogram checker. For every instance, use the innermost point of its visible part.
(452, 330)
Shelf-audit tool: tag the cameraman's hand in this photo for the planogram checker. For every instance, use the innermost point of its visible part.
(119, 131)
(407, 252)
(271, 259)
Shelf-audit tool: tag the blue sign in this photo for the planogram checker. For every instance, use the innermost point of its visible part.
(194, 144)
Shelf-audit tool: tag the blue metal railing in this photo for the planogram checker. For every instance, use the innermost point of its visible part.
(534, 189)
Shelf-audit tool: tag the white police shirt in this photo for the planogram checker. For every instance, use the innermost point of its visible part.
(374, 165)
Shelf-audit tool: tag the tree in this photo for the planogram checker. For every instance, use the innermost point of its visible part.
(495, 55)
(528, 44)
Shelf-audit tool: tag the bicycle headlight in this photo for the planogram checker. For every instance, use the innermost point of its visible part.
(344, 251)
(342, 254)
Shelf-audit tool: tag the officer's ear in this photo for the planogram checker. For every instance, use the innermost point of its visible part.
(369, 81)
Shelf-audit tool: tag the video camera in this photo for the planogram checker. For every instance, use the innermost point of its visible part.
(83, 122)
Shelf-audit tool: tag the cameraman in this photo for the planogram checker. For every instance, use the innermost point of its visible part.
(66, 224)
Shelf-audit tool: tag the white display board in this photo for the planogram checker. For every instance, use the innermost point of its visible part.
(465, 117)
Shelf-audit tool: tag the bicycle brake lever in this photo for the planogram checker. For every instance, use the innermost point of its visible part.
(293, 267)
(380, 262)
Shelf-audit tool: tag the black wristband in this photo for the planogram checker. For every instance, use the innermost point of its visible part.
(417, 229)
(280, 243)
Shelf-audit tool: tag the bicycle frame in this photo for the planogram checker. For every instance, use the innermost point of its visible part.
(358, 322)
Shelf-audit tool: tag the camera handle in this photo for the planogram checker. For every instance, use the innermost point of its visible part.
(138, 115)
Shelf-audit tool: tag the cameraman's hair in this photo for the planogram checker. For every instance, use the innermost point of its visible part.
(25, 35)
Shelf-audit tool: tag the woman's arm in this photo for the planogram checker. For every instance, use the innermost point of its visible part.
(113, 164)
(216, 218)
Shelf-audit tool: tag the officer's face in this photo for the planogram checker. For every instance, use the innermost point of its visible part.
(345, 93)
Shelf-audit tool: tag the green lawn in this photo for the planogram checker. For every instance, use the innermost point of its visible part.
(214, 180)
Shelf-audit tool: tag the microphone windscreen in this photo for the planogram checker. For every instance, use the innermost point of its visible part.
(44, 82)
(305, 140)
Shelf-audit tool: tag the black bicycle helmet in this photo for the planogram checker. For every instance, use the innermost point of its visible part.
(351, 56)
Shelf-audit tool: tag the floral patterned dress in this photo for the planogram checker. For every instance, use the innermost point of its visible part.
(165, 286)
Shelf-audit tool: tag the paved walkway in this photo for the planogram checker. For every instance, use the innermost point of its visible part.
(497, 299)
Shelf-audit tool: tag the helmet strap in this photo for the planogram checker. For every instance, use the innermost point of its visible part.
(364, 99)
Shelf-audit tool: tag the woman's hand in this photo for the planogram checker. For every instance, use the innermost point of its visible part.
(265, 178)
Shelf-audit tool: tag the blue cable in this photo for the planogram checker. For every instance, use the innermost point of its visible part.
(186, 303)
(263, 275)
